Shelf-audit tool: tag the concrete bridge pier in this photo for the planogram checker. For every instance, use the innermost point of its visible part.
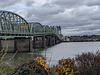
(15, 44)
(43, 41)
(50, 41)
(46, 41)
(31, 44)
(22, 44)
(56, 40)
(39, 42)
(7, 43)
(34, 42)
(53, 40)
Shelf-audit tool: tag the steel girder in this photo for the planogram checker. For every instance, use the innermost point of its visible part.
(35, 27)
(11, 22)
(14, 25)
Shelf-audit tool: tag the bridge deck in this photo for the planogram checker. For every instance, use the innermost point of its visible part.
(13, 25)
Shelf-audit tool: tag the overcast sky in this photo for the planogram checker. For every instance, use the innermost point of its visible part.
(76, 17)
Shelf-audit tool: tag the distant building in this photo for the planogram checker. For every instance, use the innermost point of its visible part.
(66, 38)
(85, 38)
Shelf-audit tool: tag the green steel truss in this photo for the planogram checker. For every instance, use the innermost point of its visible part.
(13, 25)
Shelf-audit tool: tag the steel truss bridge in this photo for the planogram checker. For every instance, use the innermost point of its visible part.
(13, 25)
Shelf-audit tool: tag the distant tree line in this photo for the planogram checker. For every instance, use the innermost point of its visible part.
(85, 38)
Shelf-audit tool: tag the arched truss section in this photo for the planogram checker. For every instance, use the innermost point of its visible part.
(47, 28)
(11, 22)
(51, 29)
(54, 28)
(36, 27)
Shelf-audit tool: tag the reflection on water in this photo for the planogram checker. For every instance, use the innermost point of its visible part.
(55, 53)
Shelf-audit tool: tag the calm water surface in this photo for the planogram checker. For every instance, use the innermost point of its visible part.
(55, 53)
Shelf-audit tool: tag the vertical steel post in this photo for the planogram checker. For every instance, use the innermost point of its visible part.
(34, 43)
(43, 42)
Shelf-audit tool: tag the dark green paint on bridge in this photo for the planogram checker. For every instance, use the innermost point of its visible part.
(21, 35)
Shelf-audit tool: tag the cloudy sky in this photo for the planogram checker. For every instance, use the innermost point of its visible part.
(76, 17)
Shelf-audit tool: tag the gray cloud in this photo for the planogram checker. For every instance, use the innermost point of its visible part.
(44, 13)
(69, 3)
(7, 3)
(29, 3)
(76, 17)
(92, 2)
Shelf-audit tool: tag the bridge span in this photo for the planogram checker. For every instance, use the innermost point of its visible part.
(24, 36)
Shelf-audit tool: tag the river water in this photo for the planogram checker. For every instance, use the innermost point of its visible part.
(55, 53)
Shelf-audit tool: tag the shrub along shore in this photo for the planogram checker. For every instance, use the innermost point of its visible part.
(84, 64)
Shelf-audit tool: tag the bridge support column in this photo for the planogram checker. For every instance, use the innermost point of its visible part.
(15, 45)
(30, 44)
(53, 40)
(47, 40)
(21, 44)
(43, 42)
(50, 41)
(8, 44)
(34, 42)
